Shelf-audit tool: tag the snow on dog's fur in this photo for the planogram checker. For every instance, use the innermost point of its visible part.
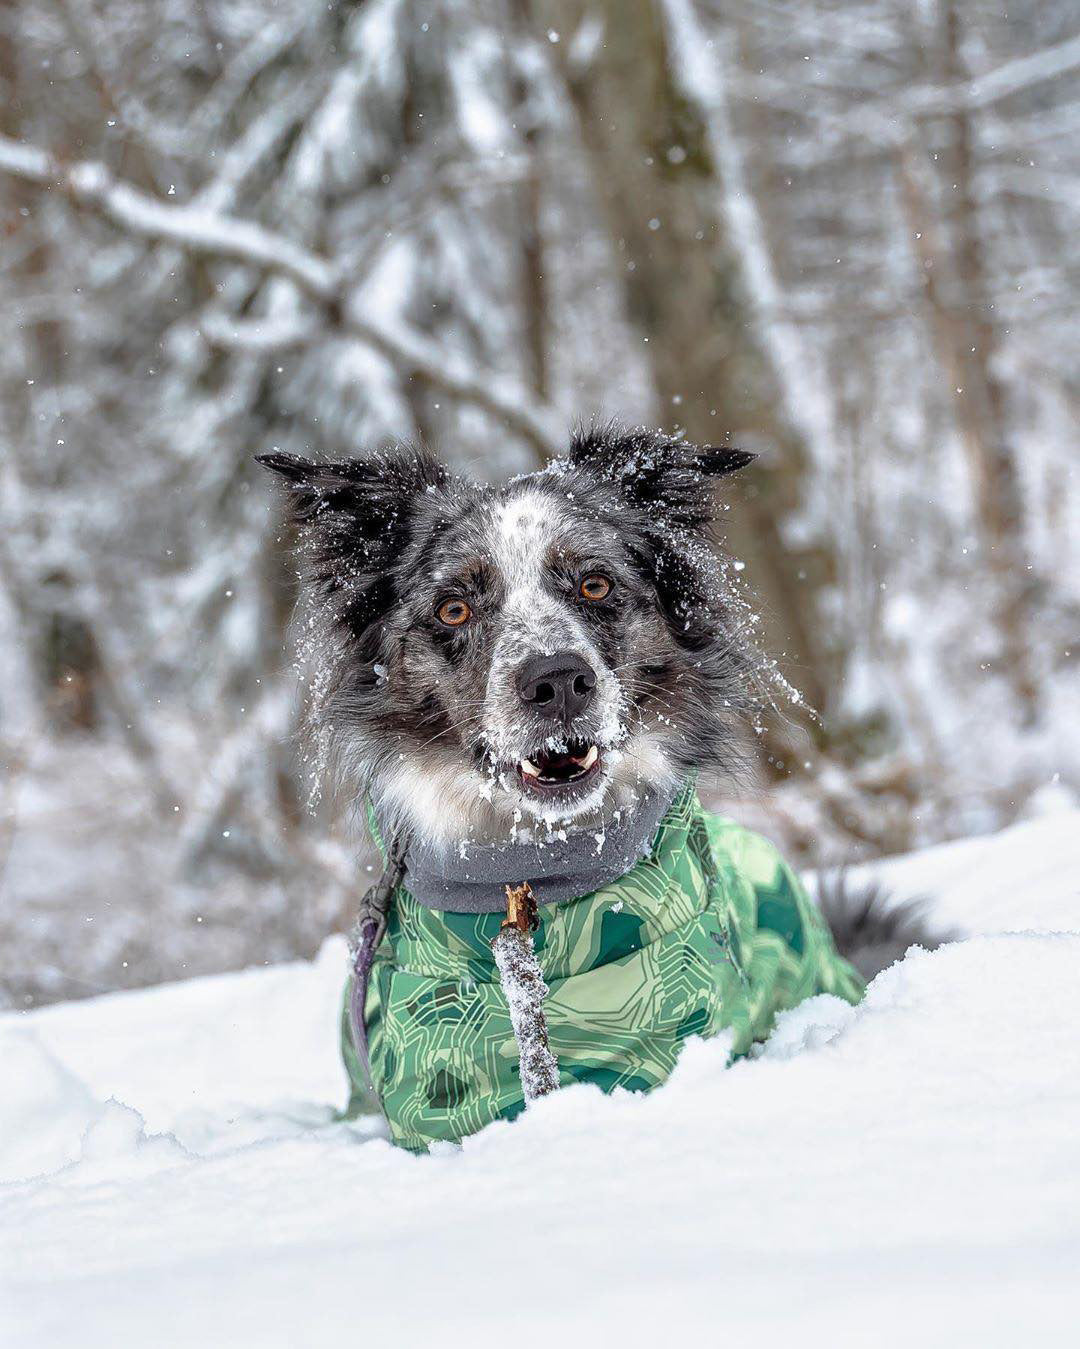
(494, 658)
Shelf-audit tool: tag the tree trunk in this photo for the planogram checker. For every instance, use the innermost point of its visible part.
(949, 248)
(982, 404)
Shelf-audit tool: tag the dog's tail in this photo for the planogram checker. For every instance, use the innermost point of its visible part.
(870, 929)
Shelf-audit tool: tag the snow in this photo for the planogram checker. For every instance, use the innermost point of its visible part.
(1027, 876)
(905, 1171)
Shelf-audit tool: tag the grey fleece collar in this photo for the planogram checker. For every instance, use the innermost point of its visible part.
(557, 870)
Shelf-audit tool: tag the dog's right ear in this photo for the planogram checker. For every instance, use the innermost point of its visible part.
(354, 519)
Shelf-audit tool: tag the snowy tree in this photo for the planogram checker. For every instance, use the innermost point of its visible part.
(838, 235)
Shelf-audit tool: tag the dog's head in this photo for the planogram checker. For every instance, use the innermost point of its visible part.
(540, 652)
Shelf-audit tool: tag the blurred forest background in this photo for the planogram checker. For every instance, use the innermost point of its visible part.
(839, 232)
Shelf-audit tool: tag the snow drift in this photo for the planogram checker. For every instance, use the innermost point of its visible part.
(904, 1169)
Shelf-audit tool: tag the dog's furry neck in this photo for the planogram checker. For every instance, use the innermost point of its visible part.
(559, 865)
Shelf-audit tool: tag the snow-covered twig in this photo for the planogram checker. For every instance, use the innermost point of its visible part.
(523, 984)
(257, 142)
(268, 45)
(260, 335)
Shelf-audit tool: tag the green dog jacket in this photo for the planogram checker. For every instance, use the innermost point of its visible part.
(710, 931)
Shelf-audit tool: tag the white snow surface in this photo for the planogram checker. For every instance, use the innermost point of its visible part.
(903, 1172)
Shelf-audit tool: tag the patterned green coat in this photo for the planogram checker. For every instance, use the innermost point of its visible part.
(710, 931)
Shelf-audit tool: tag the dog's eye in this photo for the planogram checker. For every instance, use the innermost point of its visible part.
(595, 587)
(453, 613)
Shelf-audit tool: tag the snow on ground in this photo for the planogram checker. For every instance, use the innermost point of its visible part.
(903, 1172)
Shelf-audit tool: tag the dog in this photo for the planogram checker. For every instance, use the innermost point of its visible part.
(523, 682)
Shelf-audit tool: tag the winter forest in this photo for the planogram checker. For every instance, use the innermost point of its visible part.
(839, 234)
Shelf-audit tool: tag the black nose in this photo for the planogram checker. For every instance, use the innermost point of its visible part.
(559, 687)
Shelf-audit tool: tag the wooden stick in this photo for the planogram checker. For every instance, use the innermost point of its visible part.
(523, 985)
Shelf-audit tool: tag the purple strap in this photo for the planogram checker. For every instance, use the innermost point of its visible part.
(367, 934)
(362, 961)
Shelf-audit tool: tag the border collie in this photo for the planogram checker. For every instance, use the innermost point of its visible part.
(505, 674)
(500, 660)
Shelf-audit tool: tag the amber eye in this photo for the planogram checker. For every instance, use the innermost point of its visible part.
(595, 587)
(453, 613)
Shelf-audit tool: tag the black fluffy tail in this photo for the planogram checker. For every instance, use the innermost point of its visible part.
(868, 928)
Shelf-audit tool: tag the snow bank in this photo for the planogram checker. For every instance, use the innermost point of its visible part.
(908, 1169)
(1025, 877)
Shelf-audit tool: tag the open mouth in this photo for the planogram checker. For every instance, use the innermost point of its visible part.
(551, 771)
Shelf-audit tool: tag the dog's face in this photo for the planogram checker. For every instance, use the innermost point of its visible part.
(539, 653)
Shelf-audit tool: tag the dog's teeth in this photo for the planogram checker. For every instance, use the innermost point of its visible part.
(590, 758)
(529, 768)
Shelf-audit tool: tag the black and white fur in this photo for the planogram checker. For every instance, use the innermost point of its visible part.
(430, 717)
(436, 721)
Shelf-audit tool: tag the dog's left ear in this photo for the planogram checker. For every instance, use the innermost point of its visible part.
(665, 476)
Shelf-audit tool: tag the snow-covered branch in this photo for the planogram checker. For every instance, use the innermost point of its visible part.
(198, 230)
(1013, 77)
(262, 335)
(92, 185)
